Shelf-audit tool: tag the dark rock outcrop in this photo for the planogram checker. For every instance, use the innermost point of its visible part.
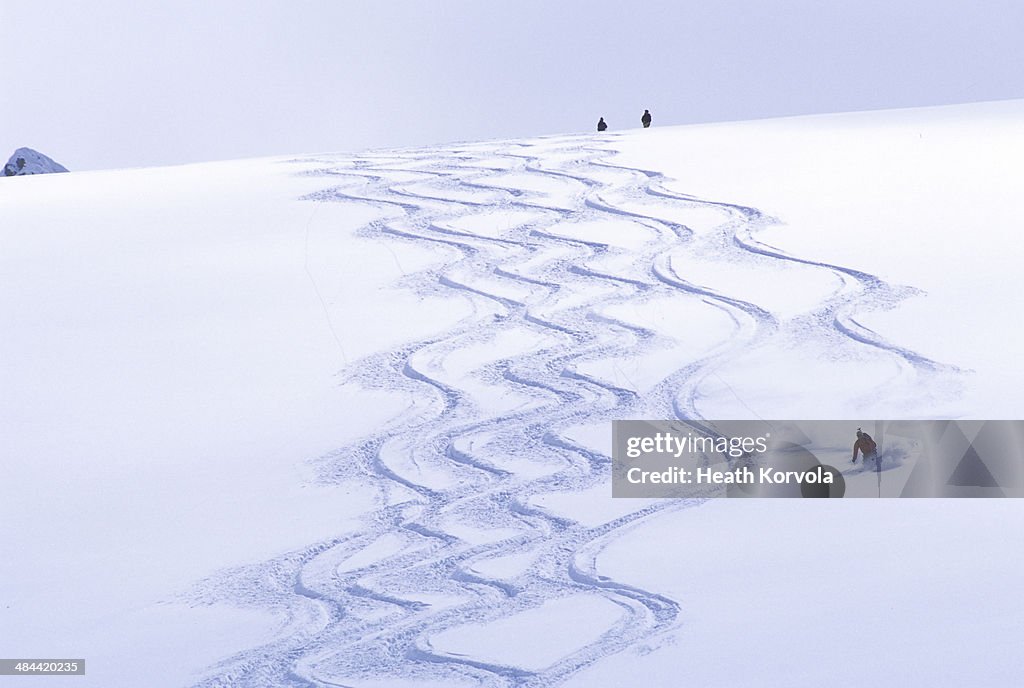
(28, 161)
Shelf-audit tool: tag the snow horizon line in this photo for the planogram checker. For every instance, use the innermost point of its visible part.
(302, 156)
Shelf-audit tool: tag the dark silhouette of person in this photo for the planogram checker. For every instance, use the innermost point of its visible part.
(601, 126)
(646, 119)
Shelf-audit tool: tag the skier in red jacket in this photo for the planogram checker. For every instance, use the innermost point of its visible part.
(864, 445)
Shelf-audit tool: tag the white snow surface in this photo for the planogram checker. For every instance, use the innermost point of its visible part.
(344, 420)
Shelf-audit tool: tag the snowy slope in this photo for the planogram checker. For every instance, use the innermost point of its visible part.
(344, 420)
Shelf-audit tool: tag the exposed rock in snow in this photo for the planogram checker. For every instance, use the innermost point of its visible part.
(28, 161)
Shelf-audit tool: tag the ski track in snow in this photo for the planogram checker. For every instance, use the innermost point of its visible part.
(448, 464)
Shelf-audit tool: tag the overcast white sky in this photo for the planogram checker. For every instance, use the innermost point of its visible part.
(116, 83)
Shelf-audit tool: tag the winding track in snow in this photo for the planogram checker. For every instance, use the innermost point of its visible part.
(450, 462)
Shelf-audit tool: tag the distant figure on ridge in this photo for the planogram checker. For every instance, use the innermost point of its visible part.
(646, 119)
(601, 126)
